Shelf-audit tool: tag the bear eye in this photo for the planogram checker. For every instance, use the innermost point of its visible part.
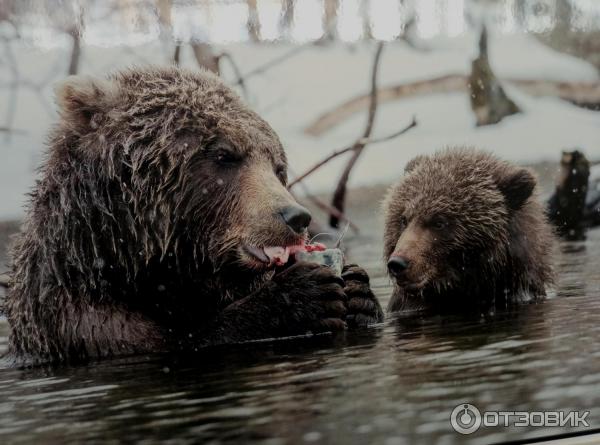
(227, 157)
(439, 223)
(403, 221)
(225, 154)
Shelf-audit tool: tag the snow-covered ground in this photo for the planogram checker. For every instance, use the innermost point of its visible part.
(292, 94)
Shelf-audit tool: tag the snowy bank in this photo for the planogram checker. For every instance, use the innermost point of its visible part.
(292, 94)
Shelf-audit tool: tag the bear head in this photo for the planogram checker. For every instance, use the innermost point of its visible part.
(450, 217)
(171, 162)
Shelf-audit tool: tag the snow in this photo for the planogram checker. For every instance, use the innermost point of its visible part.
(291, 95)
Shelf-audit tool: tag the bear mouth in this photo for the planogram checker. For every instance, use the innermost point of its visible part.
(279, 255)
(413, 286)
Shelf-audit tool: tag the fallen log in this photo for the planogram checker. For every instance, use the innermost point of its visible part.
(584, 94)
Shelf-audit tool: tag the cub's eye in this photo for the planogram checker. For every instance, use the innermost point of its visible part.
(403, 221)
(439, 224)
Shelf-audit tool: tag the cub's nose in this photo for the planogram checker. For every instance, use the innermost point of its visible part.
(296, 217)
(397, 265)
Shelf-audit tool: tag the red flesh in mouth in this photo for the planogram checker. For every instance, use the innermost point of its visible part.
(278, 255)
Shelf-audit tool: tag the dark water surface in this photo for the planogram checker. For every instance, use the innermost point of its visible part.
(390, 384)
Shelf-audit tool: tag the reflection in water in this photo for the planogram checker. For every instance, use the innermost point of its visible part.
(392, 382)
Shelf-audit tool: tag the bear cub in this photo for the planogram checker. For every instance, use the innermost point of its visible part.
(464, 231)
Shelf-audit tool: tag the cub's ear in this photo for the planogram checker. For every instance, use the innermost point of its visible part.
(81, 98)
(413, 163)
(517, 186)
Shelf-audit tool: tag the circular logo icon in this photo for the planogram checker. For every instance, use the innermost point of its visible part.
(465, 418)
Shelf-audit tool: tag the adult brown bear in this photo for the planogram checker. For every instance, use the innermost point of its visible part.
(153, 226)
(465, 231)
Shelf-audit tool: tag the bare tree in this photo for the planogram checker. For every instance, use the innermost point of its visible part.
(253, 23)
(365, 12)
(163, 9)
(206, 57)
(75, 32)
(287, 16)
(330, 13)
(339, 196)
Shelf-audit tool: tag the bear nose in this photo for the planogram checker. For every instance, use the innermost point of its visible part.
(397, 265)
(296, 217)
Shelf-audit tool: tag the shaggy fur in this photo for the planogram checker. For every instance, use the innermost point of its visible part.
(471, 230)
(154, 182)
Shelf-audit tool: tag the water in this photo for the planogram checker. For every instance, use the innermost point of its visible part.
(393, 383)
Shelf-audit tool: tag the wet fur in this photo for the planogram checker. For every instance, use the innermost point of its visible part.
(132, 235)
(496, 248)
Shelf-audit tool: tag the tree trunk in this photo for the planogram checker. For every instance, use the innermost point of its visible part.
(287, 17)
(75, 52)
(205, 57)
(566, 206)
(330, 11)
(489, 102)
(365, 12)
(253, 23)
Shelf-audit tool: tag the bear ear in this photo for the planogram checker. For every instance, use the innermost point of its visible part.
(80, 98)
(517, 187)
(413, 163)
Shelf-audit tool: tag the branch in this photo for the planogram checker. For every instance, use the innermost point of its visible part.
(205, 57)
(270, 64)
(12, 130)
(236, 70)
(177, 54)
(389, 137)
(582, 94)
(332, 211)
(327, 208)
(339, 196)
(344, 150)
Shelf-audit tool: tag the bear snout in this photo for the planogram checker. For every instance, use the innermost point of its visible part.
(397, 266)
(296, 217)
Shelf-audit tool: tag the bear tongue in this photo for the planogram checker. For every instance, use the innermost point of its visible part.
(280, 255)
(277, 255)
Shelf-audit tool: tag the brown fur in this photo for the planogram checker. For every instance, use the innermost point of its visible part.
(154, 181)
(472, 231)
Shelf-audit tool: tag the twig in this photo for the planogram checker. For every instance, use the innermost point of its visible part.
(236, 70)
(344, 150)
(332, 211)
(389, 137)
(12, 130)
(270, 64)
(177, 54)
(327, 208)
(339, 196)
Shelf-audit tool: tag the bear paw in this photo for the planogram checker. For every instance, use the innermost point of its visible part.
(363, 306)
(311, 298)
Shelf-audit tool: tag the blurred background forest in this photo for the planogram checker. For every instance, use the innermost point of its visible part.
(312, 69)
